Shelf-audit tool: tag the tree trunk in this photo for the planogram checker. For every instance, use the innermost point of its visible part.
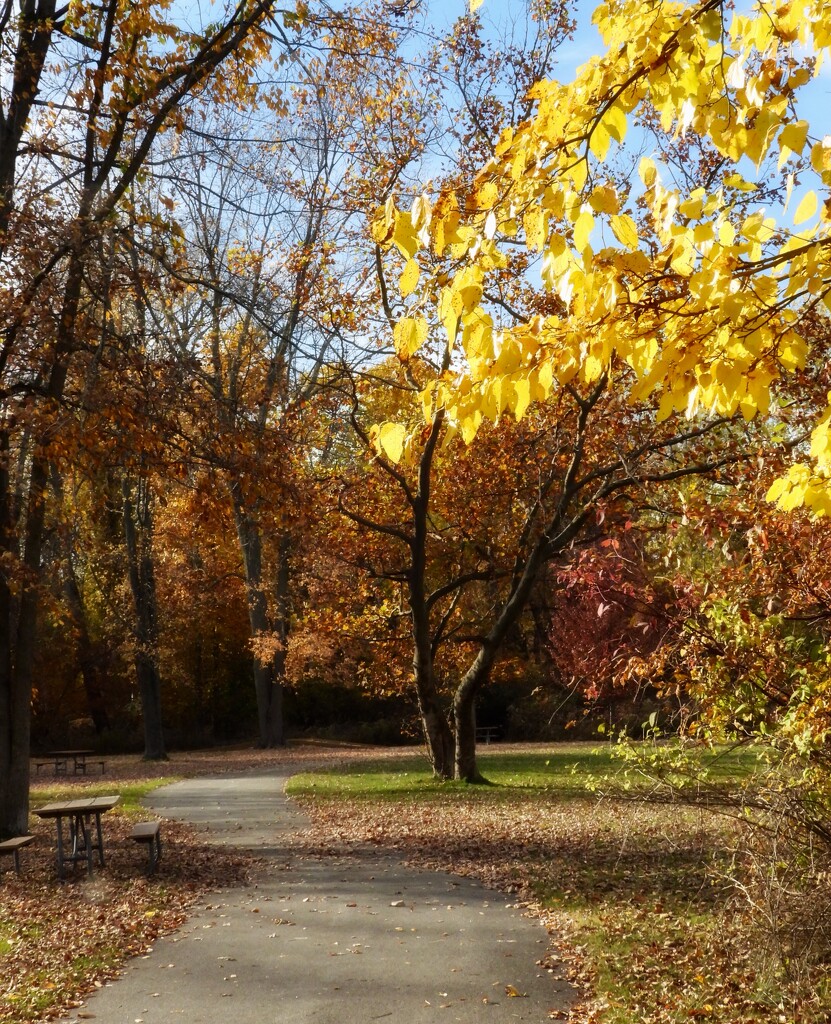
(267, 683)
(16, 672)
(281, 624)
(138, 532)
(88, 662)
(88, 658)
(14, 702)
(464, 721)
(437, 732)
(464, 713)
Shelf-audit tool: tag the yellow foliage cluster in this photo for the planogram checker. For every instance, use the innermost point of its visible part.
(701, 300)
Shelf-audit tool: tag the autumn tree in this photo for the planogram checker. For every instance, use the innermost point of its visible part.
(701, 297)
(681, 301)
(457, 539)
(86, 94)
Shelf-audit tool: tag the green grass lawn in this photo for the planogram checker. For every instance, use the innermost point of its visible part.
(569, 769)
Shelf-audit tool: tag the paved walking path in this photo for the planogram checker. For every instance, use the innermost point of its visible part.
(329, 940)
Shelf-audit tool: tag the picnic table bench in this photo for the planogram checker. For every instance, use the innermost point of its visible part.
(149, 832)
(487, 733)
(14, 846)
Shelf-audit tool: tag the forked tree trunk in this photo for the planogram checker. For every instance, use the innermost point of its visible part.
(479, 672)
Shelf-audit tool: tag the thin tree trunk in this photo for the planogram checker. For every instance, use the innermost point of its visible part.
(87, 655)
(138, 538)
(267, 685)
(282, 623)
(88, 660)
(437, 732)
(14, 707)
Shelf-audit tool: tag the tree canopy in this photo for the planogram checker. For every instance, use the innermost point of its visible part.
(693, 288)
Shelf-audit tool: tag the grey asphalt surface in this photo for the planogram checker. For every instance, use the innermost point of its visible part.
(330, 939)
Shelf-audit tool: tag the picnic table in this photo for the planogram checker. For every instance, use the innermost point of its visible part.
(61, 759)
(487, 733)
(83, 838)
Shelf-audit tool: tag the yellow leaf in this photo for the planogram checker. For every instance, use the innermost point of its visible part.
(535, 223)
(793, 498)
(470, 425)
(487, 195)
(490, 225)
(409, 279)
(726, 233)
(806, 209)
(405, 236)
(615, 122)
(427, 400)
(450, 309)
(599, 142)
(582, 229)
(477, 338)
(647, 171)
(409, 334)
(735, 180)
(522, 390)
(776, 490)
(391, 440)
(794, 136)
(625, 230)
(604, 200)
(383, 222)
(475, 5)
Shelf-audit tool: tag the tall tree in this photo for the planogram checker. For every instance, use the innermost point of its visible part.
(86, 92)
(272, 270)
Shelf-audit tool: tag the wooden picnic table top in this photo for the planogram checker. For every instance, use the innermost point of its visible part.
(88, 805)
(70, 753)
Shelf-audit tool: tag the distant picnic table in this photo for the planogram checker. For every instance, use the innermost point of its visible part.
(60, 760)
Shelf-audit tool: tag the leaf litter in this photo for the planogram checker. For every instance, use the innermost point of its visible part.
(633, 895)
(628, 893)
